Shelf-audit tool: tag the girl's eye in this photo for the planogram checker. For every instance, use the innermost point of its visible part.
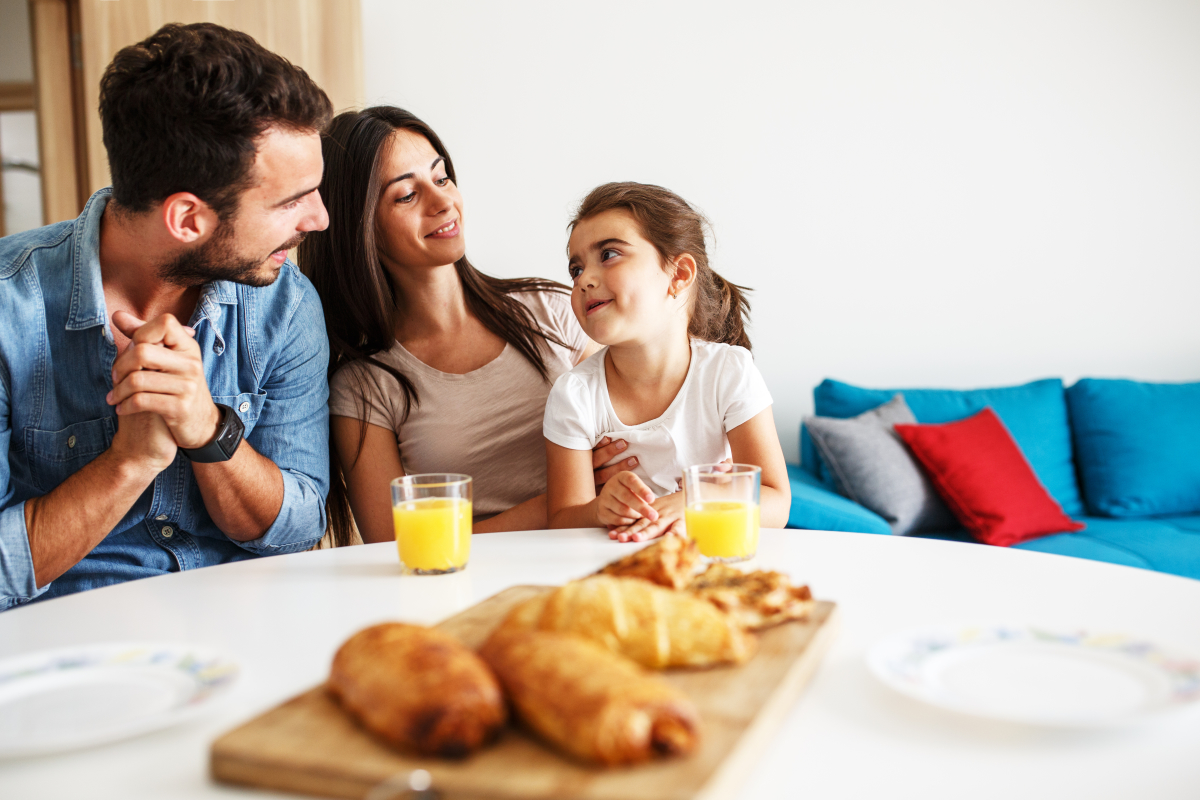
(291, 205)
(442, 181)
(407, 198)
(574, 271)
(606, 254)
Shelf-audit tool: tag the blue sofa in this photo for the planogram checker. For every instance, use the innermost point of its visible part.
(1122, 457)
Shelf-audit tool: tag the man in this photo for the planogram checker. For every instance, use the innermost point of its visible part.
(132, 444)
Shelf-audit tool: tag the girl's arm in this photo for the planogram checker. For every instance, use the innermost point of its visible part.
(756, 442)
(571, 500)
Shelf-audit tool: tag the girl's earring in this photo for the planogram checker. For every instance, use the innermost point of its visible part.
(674, 296)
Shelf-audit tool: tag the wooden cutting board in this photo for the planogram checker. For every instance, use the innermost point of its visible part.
(309, 745)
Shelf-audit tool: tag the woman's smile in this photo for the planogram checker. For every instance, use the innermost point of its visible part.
(447, 231)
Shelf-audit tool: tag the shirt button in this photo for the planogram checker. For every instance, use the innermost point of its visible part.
(161, 517)
(244, 407)
(70, 441)
(167, 531)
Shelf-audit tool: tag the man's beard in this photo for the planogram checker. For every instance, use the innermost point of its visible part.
(216, 260)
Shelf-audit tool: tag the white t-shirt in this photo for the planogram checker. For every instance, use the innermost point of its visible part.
(722, 390)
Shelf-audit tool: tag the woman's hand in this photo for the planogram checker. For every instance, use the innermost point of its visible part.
(605, 451)
(670, 518)
(624, 500)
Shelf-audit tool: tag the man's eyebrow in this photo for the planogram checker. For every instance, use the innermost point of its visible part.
(296, 197)
(408, 175)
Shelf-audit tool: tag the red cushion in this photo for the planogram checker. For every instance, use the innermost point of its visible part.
(982, 475)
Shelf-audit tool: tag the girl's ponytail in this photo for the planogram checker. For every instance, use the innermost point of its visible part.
(720, 309)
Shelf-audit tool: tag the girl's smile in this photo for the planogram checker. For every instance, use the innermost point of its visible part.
(621, 291)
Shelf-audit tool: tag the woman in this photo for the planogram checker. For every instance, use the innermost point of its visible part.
(434, 366)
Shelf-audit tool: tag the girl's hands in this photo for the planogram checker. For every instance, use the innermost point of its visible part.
(624, 500)
(670, 518)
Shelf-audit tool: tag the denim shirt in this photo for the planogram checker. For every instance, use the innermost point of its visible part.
(265, 355)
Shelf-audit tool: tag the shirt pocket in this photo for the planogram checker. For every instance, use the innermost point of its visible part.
(56, 455)
(248, 406)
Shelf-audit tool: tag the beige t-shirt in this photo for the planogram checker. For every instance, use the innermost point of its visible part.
(486, 423)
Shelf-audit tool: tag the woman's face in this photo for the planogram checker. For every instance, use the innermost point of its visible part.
(418, 222)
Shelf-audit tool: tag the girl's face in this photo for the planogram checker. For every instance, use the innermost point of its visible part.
(418, 221)
(621, 292)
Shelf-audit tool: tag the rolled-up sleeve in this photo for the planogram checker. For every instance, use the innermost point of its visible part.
(293, 429)
(17, 581)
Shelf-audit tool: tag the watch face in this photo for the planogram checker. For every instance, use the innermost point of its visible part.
(231, 433)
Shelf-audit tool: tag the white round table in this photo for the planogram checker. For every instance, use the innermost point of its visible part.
(282, 618)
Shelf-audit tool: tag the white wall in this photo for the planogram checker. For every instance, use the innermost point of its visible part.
(921, 193)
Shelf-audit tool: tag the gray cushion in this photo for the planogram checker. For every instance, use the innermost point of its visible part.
(872, 467)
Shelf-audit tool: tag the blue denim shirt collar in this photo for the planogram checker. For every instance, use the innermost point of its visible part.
(88, 307)
(87, 288)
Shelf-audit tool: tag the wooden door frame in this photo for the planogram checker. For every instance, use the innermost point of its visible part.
(58, 95)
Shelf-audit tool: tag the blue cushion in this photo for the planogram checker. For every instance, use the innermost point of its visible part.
(816, 508)
(1138, 445)
(1164, 545)
(1035, 414)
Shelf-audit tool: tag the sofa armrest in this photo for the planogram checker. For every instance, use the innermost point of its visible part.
(816, 508)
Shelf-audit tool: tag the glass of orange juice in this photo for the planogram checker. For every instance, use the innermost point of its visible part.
(722, 509)
(432, 513)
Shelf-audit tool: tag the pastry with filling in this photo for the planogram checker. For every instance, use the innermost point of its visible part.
(418, 689)
(669, 562)
(755, 599)
(589, 702)
(656, 627)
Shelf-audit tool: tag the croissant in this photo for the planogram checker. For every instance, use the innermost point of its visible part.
(589, 702)
(655, 627)
(667, 562)
(418, 689)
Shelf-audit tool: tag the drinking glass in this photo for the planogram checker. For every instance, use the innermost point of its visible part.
(722, 513)
(432, 513)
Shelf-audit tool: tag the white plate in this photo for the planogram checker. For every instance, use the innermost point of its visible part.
(1025, 674)
(82, 696)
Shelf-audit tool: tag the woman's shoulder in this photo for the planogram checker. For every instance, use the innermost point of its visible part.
(551, 308)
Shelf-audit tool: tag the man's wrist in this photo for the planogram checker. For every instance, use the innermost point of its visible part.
(130, 470)
(212, 428)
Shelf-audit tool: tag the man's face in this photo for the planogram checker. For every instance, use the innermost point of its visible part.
(272, 216)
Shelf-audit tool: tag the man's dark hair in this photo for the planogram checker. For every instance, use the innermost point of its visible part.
(181, 111)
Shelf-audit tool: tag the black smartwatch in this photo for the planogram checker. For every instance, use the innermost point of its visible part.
(224, 444)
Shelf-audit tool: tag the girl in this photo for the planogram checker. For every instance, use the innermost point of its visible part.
(675, 380)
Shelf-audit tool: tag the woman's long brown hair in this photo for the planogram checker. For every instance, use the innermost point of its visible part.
(356, 291)
(720, 309)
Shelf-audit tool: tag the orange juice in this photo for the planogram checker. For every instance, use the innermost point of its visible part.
(433, 534)
(724, 529)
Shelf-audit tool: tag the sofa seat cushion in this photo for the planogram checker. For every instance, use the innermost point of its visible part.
(1183, 523)
(1034, 413)
(817, 508)
(1138, 446)
(1163, 545)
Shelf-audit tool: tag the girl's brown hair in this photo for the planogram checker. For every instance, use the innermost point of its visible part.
(356, 291)
(720, 309)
